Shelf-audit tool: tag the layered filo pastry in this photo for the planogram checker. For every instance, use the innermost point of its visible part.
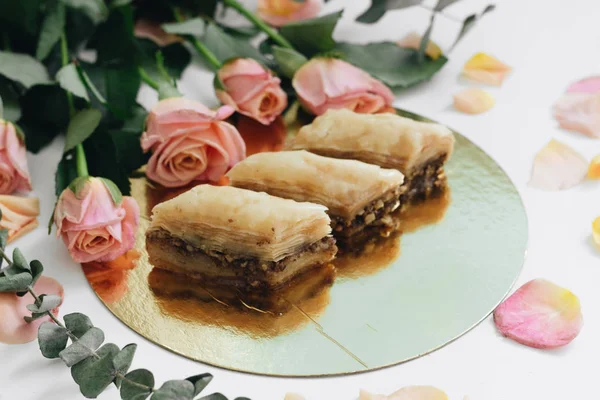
(360, 197)
(417, 149)
(236, 237)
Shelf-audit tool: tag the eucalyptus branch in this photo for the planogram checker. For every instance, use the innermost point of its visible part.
(259, 23)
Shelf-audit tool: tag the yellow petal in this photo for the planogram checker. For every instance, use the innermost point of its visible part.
(473, 101)
(596, 231)
(486, 69)
(413, 41)
(293, 396)
(408, 393)
(558, 167)
(594, 168)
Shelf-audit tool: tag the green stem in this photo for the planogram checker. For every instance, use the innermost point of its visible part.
(64, 52)
(272, 33)
(80, 161)
(147, 79)
(198, 45)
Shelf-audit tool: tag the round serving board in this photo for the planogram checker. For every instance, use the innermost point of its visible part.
(398, 300)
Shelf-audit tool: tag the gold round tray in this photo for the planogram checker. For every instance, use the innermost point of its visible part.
(400, 299)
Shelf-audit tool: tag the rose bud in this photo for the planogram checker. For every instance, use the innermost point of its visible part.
(324, 83)
(14, 175)
(280, 12)
(95, 222)
(251, 89)
(190, 142)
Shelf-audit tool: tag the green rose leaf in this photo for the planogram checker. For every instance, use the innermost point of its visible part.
(68, 79)
(226, 47)
(51, 30)
(49, 301)
(78, 324)
(395, 66)
(114, 191)
(82, 125)
(22, 15)
(19, 261)
(135, 392)
(241, 32)
(122, 361)
(102, 158)
(129, 152)
(96, 10)
(66, 173)
(10, 110)
(469, 23)
(122, 86)
(36, 270)
(289, 60)
(425, 40)
(200, 382)
(114, 39)
(214, 396)
(174, 390)
(15, 283)
(379, 7)
(176, 57)
(23, 68)
(193, 26)
(94, 375)
(52, 339)
(83, 348)
(312, 36)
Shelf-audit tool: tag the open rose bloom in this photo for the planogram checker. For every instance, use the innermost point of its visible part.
(324, 83)
(190, 142)
(14, 175)
(92, 225)
(281, 12)
(252, 90)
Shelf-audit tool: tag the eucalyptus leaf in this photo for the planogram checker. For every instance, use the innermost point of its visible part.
(200, 382)
(226, 47)
(49, 301)
(36, 270)
(15, 283)
(82, 125)
(96, 10)
(379, 7)
(193, 26)
(469, 23)
(174, 390)
(68, 79)
(34, 316)
(23, 68)
(134, 392)
(312, 36)
(214, 396)
(289, 60)
(441, 4)
(19, 261)
(3, 241)
(83, 348)
(78, 324)
(52, 339)
(114, 191)
(51, 30)
(395, 66)
(122, 361)
(94, 375)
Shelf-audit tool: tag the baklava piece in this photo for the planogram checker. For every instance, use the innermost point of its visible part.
(360, 197)
(235, 237)
(417, 149)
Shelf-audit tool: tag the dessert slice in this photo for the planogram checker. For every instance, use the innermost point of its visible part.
(417, 149)
(360, 197)
(235, 237)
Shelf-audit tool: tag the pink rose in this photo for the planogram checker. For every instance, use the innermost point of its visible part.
(190, 142)
(280, 12)
(252, 90)
(324, 83)
(14, 175)
(92, 225)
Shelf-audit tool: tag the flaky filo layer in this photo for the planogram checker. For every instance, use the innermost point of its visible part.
(241, 222)
(344, 186)
(386, 139)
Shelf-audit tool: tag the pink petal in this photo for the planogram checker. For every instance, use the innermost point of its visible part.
(540, 314)
(281, 12)
(13, 328)
(579, 112)
(408, 393)
(558, 167)
(587, 85)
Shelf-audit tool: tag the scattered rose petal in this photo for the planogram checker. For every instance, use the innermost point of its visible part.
(596, 231)
(473, 101)
(413, 41)
(408, 393)
(540, 314)
(586, 85)
(13, 328)
(486, 69)
(557, 167)
(293, 396)
(19, 215)
(579, 112)
(594, 168)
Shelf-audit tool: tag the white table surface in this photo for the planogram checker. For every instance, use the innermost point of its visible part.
(549, 43)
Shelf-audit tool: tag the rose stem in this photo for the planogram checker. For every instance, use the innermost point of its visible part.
(147, 79)
(74, 338)
(80, 160)
(202, 49)
(272, 33)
